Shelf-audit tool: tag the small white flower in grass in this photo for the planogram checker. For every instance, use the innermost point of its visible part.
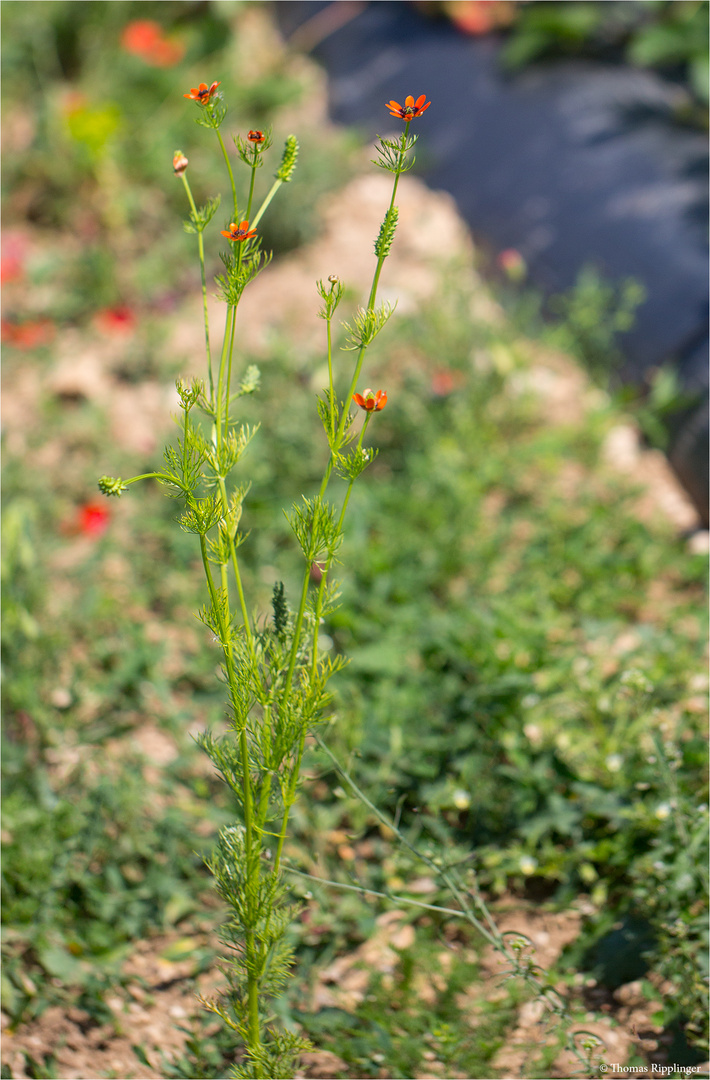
(663, 811)
(528, 865)
(614, 762)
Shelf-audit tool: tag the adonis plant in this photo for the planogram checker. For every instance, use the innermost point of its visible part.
(276, 675)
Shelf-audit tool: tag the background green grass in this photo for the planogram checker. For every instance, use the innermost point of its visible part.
(526, 668)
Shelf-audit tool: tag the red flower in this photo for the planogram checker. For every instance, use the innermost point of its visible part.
(513, 263)
(140, 36)
(474, 17)
(14, 250)
(371, 402)
(203, 93)
(256, 136)
(239, 232)
(27, 335)
(93, 519)
(11, 269)
(480, 16)
(443, 382)
(116, 320)
(410, 109)
(145, 39)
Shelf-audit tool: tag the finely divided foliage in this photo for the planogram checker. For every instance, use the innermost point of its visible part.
(276, 675)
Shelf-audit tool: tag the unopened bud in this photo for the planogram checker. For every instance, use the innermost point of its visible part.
(179, 163)
(109, 485)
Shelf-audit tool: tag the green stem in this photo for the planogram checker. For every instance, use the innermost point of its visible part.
(331, 384)
(438, 870)
(373, 892)
(248, 805)
(274, 188)
(297, 633)
(229, 366)
(231, 174)
(254, 167)
(148, 476)
(222, 390)
(372, 299)
(326, 569)
(324, 484)
(201, 247)
(240, 254)
(235, 567)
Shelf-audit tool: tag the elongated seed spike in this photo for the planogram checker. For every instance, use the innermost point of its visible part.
(383, 243)
(288, 160)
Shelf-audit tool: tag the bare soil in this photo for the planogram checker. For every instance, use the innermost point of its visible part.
(159, 997)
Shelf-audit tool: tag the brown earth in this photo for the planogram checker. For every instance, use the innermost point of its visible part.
(160, 995)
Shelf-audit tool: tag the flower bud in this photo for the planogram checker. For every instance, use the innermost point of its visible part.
(110, 485)
(179, 163)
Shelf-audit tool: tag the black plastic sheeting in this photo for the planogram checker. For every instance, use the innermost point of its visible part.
(571, 163)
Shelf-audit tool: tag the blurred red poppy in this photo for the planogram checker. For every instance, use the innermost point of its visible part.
(480, 16)
(27, 335)
(147, 40)
(115, 320)
(93, 519)
(513, 263)
(12, 262)
(443, 382)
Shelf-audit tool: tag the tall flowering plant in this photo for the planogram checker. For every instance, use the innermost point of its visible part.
(275, 674)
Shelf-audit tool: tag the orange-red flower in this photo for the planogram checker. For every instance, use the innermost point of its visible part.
(411, 108)
(14, 251)
(27, 335)
(480, 16)
(92, 519)
(513, 263)
(115, 320)
(239, 232)
(203, 93)
(443, 382)
(257, 137)
(371, 402)
(145, 38)
(180, 163)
